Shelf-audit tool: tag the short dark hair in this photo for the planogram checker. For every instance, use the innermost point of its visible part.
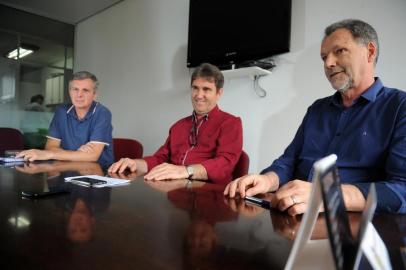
(82, 75)
(209, 72)
(361, 31)
(37, 98)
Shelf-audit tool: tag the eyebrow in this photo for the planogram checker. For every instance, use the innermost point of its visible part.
(333, 49)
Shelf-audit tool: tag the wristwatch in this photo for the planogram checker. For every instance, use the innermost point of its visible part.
(190, 171)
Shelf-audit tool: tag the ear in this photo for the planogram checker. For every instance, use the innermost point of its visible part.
(220, 92)
(372, 50)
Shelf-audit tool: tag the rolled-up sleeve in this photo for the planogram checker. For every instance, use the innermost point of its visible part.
(102, 129)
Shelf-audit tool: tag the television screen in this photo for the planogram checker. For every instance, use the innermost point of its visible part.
(230, 32)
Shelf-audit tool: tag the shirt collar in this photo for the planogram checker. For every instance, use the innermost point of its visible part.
(213, 112)
(373, 90)
(89, 113)
(370, 94)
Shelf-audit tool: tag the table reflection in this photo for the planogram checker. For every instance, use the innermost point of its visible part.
(55, 168)
(244, 207)
(177, 224)
(206, 206)
(81, 204)
(80, 223)
(288, 226)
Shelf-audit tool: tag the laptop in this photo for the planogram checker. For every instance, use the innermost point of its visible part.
(346, 250)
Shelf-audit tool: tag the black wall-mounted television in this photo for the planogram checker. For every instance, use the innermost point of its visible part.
(227, 32)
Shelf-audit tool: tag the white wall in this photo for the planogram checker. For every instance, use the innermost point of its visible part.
(138, 50)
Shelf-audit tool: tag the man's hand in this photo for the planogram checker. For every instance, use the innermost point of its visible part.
(166, 171)
(123, 164)
(252, 184)
(34, 154)
(293, 197)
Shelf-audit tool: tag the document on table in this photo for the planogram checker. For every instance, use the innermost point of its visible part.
(11, 159)
(97, 181)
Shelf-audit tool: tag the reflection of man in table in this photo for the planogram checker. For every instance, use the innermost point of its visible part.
(201, 201)
(206, 207)
(80, 223)
(205, 145)
(83, 203)
(80, 131)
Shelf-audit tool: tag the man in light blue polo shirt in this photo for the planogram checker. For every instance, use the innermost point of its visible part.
(80, 131)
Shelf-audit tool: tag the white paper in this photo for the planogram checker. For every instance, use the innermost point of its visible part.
(11, 159)
(110, 181)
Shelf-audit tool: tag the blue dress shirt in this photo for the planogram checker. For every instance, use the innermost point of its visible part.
(95, 126)
(369, 139)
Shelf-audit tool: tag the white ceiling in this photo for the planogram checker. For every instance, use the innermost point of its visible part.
(72, 11)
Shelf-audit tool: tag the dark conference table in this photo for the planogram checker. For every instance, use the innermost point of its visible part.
(147, 225)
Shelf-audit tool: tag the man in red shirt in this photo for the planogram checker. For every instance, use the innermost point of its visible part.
(205, 145)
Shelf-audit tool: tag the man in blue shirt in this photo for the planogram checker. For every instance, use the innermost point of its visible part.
(364, 123)
(80, 131)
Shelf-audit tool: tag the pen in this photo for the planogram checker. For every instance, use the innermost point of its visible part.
(258, 201)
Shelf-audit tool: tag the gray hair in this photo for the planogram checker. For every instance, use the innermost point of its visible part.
(362, 32)
(210, 73)
(82, 75)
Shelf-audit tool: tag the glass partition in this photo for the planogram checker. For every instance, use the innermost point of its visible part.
(32, 86)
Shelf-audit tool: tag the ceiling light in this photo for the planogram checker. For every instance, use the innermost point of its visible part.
(22, 51)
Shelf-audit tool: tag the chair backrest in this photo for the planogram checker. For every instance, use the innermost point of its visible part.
(127, 148)
(10, 139)
(241, 168)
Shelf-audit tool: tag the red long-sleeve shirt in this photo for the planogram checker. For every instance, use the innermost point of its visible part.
(218, 148)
